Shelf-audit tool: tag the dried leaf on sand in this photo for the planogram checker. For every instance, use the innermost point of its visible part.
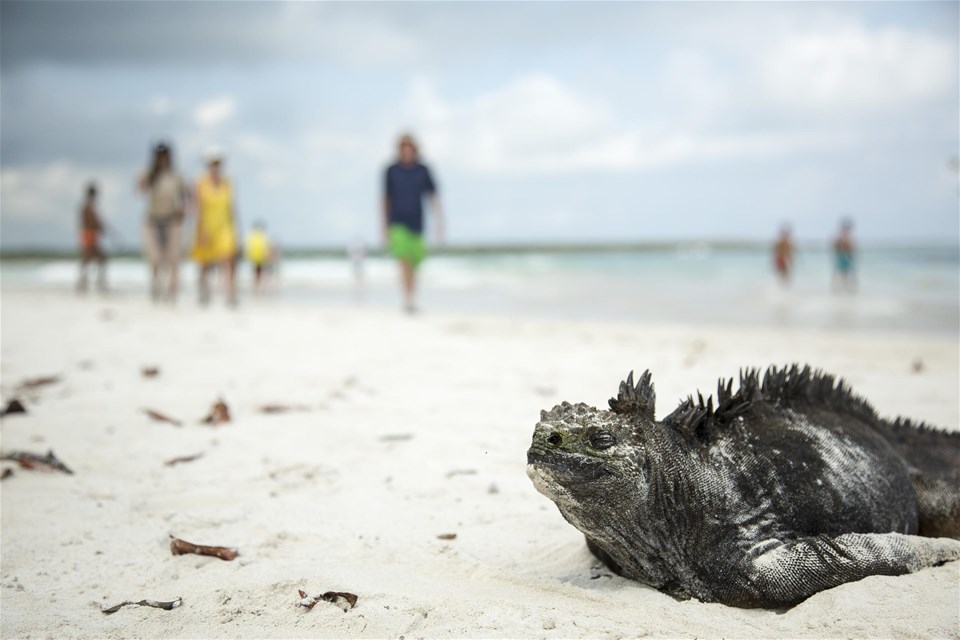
(282, 408)
(28, 460)
(181, 459)
(160, 417)
(396, 437)
(14, 406)
(342, 599)
(42, 381)
(219, 413)
(156, 604)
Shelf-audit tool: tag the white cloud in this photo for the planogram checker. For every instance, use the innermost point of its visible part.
(851, 67)
(314, 160)
(214, 112)
(537, 124)
(53, 193)
(527, 123)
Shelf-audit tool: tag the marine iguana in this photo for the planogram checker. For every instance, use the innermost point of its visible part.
(784, 488)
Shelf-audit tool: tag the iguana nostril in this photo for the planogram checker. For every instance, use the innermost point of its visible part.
(554, 439)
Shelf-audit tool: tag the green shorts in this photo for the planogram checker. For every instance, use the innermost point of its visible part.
(406, 245)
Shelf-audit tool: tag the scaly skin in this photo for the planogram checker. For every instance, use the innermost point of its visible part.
(792, 485)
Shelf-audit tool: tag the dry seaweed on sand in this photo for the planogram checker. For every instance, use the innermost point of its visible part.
(40, 381)
(28, 460)
(7, 473)
(181, 459)
(219, 413)
(159, 417)
(395, 437)
(282, 408)
(156, 604)
(461, 472)
(150, 372)
(342, 599)
(180, 547)
(14, 406)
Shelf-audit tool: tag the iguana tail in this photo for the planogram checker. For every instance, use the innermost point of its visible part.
(933, 457)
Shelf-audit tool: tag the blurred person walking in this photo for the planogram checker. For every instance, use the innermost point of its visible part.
(260, 253)
(783, 255)
(167, 198)
(91, 230)
(215, 242)
(844, 278)
(406, 182)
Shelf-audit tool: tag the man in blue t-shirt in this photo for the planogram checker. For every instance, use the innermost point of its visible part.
(407, 181)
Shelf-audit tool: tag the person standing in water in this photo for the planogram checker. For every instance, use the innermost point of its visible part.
(215, 242)
(91, 229)
(167, 198)
(844, 278)
(783, 255)
(259, 253)
(406, 183)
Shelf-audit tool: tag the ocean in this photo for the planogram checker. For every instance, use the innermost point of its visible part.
(900, 289)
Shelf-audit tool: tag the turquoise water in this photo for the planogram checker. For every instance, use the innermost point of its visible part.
(915, 290)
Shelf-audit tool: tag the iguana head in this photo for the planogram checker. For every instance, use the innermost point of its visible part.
(581, 454)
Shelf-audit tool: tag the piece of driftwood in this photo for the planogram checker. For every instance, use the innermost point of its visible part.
(156, 604)
(159, 417)
(150, 372)
(41, 381)
(180, 547)
(28, 460)
(342, 599)
(219, 413)
(447, 536)
(180, 459)
(14, 406)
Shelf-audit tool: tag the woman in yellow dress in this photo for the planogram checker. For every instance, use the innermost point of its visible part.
(215, 244)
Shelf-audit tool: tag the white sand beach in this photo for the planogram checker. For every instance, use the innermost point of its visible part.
(406, 429)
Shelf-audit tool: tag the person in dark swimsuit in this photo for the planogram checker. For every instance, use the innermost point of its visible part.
(844, 277)
(783, 255)
(91, 229)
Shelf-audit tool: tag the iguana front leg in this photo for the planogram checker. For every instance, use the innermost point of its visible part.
(790, 572)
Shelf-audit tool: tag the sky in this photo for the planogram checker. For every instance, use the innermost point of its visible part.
(541, 121)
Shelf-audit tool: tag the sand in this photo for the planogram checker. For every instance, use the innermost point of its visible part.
(408, 428)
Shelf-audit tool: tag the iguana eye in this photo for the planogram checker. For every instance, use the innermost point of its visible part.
(602, 440)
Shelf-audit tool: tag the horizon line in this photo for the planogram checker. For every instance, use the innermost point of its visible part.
(481, 248)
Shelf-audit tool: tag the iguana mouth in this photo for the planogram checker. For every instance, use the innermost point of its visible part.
(573, 467)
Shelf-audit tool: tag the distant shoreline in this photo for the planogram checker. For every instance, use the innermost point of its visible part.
(49, 253)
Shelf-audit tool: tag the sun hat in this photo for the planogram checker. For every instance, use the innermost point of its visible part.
(213, 155)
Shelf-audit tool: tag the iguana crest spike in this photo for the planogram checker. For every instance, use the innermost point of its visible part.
(639, 399)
